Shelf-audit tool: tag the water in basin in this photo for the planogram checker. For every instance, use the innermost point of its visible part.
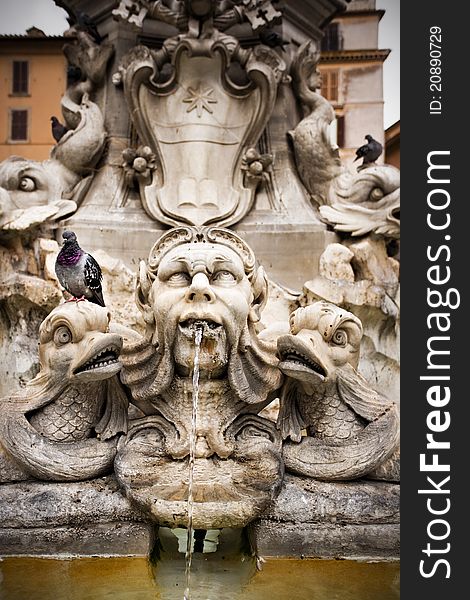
(231, 578)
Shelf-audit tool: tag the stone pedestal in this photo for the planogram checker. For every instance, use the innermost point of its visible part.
(309, 519)
(71, 519)
(312, 519)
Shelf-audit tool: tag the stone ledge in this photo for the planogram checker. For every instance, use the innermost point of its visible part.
(40, 504)
(314, 540)
(104, 539)
(304, 500)
(356, 520)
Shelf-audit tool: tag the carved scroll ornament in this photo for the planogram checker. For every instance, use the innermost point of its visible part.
(200, 124)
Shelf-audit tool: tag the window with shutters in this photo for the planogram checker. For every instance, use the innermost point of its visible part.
(18, 125)
(330, 85)
(20, 78)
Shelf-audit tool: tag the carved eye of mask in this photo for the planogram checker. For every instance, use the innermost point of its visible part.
(377, 194)
(180, 278)
(340, 338)
(223, 277)
(27, 184)
(62, 335)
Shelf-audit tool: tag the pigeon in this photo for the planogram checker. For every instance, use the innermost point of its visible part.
(86, 23)
(58, 130)
(270, 38)
(370, 152)
(78, 272)
(83, 22)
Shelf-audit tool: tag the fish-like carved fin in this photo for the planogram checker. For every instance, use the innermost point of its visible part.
(289, 421)
(358, 394)
(114, 419)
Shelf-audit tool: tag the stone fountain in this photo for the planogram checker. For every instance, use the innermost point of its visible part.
(203, 153)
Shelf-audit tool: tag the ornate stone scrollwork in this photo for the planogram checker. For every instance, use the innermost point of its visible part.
(200, 124)
(365, 202)
(32, 193)
(186, 139)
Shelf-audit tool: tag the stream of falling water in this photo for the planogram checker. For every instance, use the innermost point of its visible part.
(192, 454)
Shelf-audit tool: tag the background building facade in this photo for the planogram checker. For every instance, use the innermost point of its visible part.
(33, 80)
(352, 75)
(33, 76)
(392, 145)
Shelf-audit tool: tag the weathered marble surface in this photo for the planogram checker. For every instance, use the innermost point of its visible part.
(354, 520)
(202, 279)
(234, 100)
(107, 539)
(65, 424)
(360, 203)
(351, 428)
(360, 277)
(33, 193)
(309, 518)
(88, 518)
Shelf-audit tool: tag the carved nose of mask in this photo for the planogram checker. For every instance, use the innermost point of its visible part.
(203, 449)
(200, 289)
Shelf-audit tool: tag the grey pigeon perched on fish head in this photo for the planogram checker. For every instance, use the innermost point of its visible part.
(78, 272)
(369, 152)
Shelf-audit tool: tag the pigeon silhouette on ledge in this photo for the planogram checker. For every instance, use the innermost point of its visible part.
(271, 38)
(58, 130)
(78, 272)
(369, 152)
(83, 22)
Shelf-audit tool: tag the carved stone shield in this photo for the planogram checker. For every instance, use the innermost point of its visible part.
(200, 123)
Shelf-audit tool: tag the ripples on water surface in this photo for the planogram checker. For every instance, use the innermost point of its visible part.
(231, 579)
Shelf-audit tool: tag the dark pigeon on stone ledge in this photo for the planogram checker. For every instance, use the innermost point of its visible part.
(370, 152)
(270, 38)
(78, 272)
(58, 130)
(85, 23)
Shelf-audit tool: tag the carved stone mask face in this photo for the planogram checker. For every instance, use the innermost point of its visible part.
(201, 286)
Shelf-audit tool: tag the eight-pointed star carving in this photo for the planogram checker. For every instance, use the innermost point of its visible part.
(200, 99)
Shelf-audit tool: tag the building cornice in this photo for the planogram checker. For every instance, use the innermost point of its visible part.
(392, 133)
(311, 16)
(340, 56)
(363, 13)
(32, 38)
